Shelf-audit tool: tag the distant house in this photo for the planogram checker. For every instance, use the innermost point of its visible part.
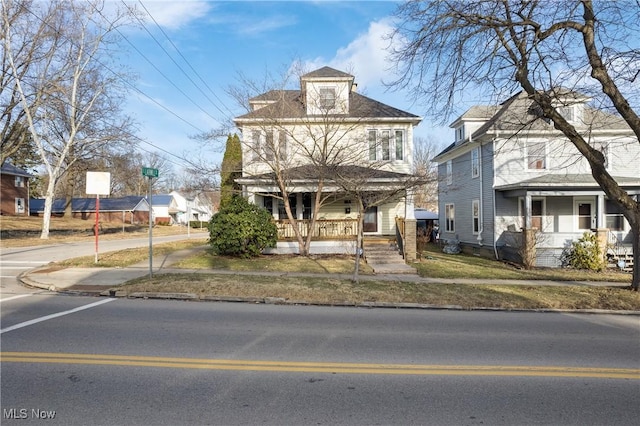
(14, 193)
(198, 208)
(132, 209)
(509, 171)
(165, 209)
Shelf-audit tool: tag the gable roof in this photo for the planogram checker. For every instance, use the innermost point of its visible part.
(521, 113)
(10, 169)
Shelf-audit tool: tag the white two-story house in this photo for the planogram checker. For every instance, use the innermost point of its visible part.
(308, 135)
(508, 169)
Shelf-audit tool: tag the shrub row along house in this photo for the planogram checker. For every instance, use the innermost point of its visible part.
(509, 171)
(320, 157)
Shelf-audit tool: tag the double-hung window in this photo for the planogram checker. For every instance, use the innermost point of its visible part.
(19, 182)
(373, 145)
(327, 97)
(475, 214)
(282, 145)
(399, 145)
(450, 217)
(449, 167)
(385, 142)
(536, 155)
(475, 162)
(257, 145)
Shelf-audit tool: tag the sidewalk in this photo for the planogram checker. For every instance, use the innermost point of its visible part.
(98, 281)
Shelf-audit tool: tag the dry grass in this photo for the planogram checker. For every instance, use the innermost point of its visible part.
(25, 231)
(335, 291)
(436, 264)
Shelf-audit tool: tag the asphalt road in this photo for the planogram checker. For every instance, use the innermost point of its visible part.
(116, 361)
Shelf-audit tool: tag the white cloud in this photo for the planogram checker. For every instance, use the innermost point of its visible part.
(365, 57)
(175, 14)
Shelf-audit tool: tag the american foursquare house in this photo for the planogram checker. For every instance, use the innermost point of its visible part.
(509, 170)
(282, 124)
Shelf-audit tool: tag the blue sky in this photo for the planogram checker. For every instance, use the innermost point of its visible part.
(211, 42)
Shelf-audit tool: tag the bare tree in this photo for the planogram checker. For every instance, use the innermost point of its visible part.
(69, 95)
(424, 150)
(448, 47)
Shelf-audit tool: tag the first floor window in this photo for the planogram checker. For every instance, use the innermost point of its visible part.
(614, 218)
(450, 217)
(475, 214)
(537, 212)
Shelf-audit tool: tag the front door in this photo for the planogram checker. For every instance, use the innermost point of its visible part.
(370, 220)
(586, 217)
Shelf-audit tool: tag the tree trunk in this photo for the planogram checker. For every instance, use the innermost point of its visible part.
(48, 206)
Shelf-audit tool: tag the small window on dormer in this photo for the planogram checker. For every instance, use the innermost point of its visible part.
(327, 97)
(567, 112)
(460, 133)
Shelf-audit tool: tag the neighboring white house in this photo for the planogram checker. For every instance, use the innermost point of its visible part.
(508, 169)
(197, 208)
(286, 126)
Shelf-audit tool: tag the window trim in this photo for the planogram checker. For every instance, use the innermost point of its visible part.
(450, 217)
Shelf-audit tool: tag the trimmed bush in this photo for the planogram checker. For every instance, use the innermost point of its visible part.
(242, 229)
(584, 253)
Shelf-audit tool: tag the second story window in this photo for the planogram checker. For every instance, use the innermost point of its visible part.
(460, 133)
(373, 145)
(475, 162)
(256, 146)
(536, 155)
(282, 145)
(449, 172)
(327, 97)
(567, 112)
(385, 141)
(399, 145)
(19, 182)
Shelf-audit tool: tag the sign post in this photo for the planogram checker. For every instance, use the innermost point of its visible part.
(150, 173)
(98, 183)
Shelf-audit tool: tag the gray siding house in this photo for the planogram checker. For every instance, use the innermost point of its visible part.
(508, 169)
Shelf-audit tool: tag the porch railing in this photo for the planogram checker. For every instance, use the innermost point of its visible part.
(324, 229)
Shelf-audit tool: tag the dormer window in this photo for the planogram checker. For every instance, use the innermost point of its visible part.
(327, 97)
(567, 112)
(460, 133)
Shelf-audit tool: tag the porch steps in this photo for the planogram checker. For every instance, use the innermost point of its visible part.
(383, 256)
(627, 258)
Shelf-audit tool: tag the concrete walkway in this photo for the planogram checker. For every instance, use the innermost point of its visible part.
(98, 281)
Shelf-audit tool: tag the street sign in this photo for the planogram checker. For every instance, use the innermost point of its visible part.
(149, 172)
